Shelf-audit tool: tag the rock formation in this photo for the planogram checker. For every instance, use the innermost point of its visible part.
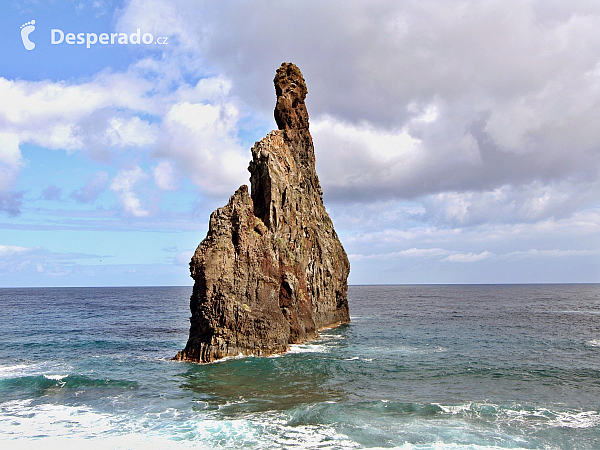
(271, 270)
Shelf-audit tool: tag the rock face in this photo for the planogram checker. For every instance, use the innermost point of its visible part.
(271, 270)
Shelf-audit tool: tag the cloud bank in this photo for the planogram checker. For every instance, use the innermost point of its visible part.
(463, 131)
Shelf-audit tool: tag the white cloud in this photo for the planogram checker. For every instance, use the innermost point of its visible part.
(422, 97)
(164, 176)
(10, 164)
(123, 184)
(184, 258)
(468, 257)
(201, 138)
(52, 192)
(37, 260)
(380, 145)
(93, 188)
(409, 253)
(123, 132)
(10, 160)
(192, 126)
(553, 253)
(10, 250)
(525, 203)
(54, 103)
(368, 162)
(161, 18)
(92, 116)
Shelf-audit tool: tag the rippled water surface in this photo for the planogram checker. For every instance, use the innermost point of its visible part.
(427, 367)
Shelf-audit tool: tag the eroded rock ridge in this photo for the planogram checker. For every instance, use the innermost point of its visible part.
(271, 271)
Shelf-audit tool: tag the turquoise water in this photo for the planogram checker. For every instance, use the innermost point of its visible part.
(427, 367)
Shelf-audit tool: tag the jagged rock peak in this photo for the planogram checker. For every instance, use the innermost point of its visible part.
(290, 87)
(271, 271)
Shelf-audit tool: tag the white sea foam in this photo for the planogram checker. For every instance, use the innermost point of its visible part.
(129, 441)
(529, 416)
(455, 409)
(277, 430)
(23, 424)
(308, 348)
(326, 337)
(585, 419)
(356, 358)
(594, 343)
(229, 358)
(566, 419)
(443, 446)
(55, 377)
(13, 370)
(227, 404)
(34, 369)
(405, 349)
(26, 424)
(22, 420)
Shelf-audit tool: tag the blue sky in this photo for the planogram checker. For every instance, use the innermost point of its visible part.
(456, 141)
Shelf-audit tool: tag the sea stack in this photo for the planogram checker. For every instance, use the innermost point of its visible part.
(271, 271)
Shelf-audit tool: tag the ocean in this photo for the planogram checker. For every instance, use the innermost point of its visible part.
(419, 367)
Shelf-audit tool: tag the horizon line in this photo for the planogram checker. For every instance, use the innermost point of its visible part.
(533, 283)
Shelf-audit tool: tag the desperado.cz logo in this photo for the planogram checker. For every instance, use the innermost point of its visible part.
(26, 30)
(58, 36)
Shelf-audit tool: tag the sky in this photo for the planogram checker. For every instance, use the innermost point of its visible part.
(456, 141)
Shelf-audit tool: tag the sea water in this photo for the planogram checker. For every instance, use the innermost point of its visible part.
(419, 367)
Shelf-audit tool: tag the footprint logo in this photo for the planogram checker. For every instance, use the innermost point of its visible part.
(26, 30)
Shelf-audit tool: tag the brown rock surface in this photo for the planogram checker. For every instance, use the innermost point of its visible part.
(271, 270)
